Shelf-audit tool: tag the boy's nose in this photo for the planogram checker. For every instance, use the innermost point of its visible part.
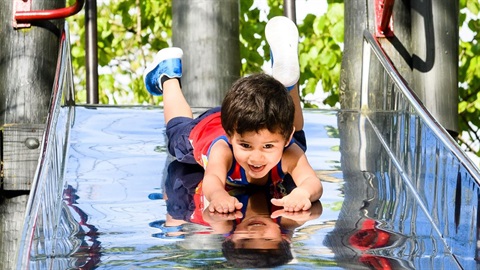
(256, 156)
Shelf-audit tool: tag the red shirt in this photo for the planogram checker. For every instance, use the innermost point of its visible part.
(203, 135)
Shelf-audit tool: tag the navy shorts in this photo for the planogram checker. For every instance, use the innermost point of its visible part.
(182, 180)
(178, 131)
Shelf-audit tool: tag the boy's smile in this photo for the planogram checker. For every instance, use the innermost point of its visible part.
(258, 152)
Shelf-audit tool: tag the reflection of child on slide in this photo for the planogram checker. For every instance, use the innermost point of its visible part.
(255, 138)
(259, 234)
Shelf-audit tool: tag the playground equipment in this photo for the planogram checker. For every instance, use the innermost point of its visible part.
(399, 191)
(408, 194)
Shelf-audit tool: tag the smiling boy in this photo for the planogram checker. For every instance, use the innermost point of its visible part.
(255, 138)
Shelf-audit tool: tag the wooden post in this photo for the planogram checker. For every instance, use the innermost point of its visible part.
(21, 151)
(12, 216)
(356, 20)
(208, 33)
(423, 48)
(435, 37)
(28, 59)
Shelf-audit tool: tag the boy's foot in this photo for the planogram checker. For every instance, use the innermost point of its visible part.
(282, 36)
(167, 62)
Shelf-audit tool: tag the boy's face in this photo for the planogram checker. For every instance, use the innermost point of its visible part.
(258, 152)
(258, 232)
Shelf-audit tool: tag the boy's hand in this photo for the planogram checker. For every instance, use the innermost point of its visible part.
(221, 222)
(297, 200)
(211, 217)
(300, 216)
(222, 202)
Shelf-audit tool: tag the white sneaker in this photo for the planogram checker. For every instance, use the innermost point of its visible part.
(282, 36)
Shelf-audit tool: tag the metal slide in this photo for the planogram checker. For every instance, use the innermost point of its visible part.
(399, 193)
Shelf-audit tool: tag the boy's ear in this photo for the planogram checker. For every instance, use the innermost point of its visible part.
(290, 139)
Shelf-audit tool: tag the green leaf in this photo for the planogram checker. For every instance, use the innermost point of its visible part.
(473, 6)
(338, 32)
(462, 106)
(319, 26)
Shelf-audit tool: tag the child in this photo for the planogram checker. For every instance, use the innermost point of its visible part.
(248, 141)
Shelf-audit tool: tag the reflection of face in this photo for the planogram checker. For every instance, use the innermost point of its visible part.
(257, 152)
(258, 232)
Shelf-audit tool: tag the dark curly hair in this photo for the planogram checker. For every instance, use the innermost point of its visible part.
(257, 258)
(258, 102)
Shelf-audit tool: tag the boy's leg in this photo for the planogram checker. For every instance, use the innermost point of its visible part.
(282, 36)
(298, 120)
(162, 77)
(174, 102)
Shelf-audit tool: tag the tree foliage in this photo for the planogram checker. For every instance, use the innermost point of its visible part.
(469, 75)
(130, 32)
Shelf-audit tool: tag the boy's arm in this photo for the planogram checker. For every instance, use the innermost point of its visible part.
(219, 162)
(309, 187)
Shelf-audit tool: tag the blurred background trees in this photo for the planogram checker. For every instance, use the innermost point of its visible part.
(130, 32)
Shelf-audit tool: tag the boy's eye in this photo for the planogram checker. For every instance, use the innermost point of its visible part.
(245, 145)
(268, 146)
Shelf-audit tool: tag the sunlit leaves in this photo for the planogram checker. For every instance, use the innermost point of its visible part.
(469, 73)
(129, 33)
(251, 43)
(320, 52)
(473, 6)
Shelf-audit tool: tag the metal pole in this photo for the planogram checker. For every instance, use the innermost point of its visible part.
(91, 53)
(289, 10)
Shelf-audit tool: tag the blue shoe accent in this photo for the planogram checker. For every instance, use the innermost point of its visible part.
(167, 62)
(155, 196)
(160, 224)
(171, 68)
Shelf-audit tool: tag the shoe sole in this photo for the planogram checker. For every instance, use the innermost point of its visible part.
(282, 36)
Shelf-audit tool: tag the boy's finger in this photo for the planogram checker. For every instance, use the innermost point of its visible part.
(238, 214)
(277, 202)
(306, 207)
(277, 213)
(238, 205)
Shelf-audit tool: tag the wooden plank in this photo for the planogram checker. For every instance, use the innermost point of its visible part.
(12, 216)
(21, 151)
